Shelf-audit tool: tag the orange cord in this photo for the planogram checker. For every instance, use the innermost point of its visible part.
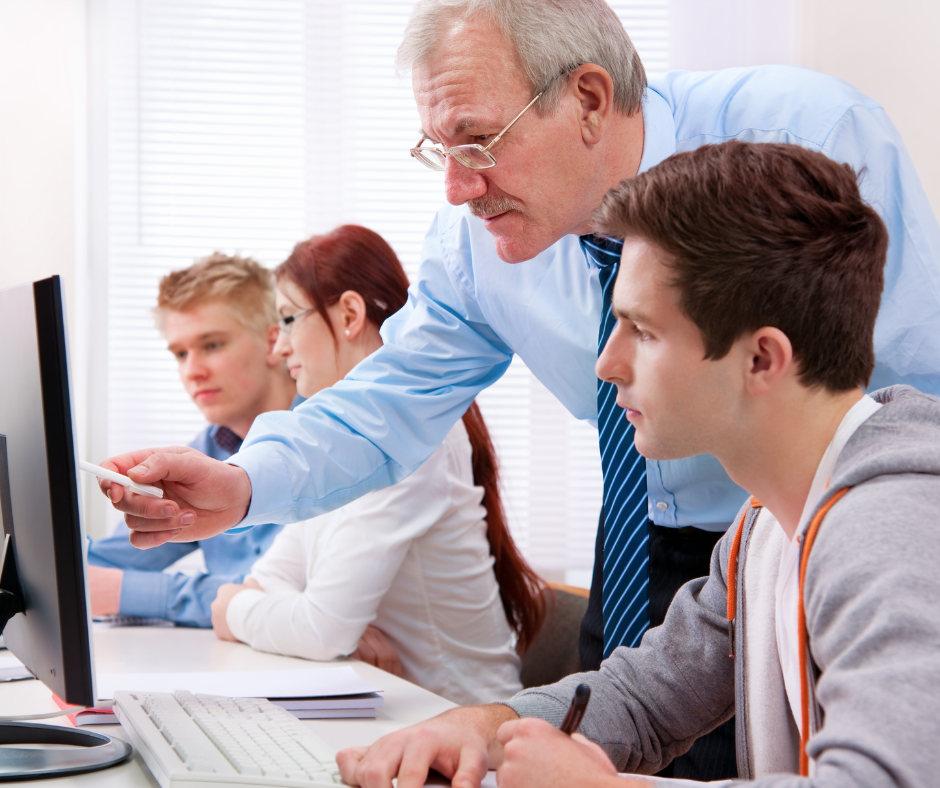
(802, 632)
(733, 573)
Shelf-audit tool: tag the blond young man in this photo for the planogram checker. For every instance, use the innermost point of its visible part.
(220, 323)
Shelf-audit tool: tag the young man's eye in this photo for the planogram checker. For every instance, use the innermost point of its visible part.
(641, 334)
(180, 355)
(213, 345)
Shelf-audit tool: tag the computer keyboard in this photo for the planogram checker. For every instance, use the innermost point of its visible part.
(191, 740)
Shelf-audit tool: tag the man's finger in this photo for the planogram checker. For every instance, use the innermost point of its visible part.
(506, 731)
(145, 540)
(169, 466)
(471, 770)
(348, 761)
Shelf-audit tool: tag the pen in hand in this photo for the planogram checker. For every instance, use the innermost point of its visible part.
(575, 713)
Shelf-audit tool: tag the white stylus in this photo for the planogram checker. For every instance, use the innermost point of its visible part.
(125, 481)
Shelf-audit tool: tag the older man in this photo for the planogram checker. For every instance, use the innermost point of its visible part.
(536, 110)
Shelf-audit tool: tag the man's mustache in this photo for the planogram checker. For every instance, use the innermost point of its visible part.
(491, 206)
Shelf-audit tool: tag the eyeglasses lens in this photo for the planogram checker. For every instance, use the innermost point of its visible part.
(473, 157)
(429, 157)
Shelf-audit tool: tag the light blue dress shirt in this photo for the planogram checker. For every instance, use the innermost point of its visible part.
(148, 591)
(469, 312)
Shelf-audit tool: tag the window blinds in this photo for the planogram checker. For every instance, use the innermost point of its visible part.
(247, 125)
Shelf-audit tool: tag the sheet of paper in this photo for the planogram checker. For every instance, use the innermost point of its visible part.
(315, 683)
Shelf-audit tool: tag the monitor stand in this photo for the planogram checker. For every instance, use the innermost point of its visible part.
(89, 751)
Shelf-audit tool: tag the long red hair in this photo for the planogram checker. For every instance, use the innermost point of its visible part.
(356, 258)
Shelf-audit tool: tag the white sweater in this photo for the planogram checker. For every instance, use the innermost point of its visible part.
(413, 560)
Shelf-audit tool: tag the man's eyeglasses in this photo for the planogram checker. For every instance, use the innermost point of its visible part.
(474, 156)
(285, 324)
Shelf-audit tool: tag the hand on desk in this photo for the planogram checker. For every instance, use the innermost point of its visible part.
(203, 497)
(376, 649)
(104, 585)
(220, 605)
(463, 743)
(460, 743)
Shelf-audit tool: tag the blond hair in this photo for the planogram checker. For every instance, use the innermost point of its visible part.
(239, 282)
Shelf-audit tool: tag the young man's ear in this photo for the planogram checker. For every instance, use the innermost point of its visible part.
(768, 360)
(349, 315)
(271, 334)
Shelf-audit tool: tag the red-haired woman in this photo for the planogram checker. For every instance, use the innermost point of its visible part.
(428, 562)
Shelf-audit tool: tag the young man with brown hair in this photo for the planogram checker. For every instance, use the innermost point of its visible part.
(745, 304)
(220, 323)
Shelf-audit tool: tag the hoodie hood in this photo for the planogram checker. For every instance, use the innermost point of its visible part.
(902, 437)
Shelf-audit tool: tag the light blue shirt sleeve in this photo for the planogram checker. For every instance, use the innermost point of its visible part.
(391, 412)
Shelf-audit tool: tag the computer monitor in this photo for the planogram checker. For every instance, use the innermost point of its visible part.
(44, 610)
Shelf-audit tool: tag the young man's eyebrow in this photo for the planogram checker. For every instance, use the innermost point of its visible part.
(201, 338)
(628, 314)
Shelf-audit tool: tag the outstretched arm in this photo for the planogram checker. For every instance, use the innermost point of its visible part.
(369, 431)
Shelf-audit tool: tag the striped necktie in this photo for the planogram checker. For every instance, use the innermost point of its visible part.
(626, 535)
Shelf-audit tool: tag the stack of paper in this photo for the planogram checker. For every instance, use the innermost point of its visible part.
(318, 693)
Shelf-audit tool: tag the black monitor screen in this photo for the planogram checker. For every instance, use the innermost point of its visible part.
(39, 502)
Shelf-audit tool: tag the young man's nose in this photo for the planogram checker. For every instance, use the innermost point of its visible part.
(194, 368)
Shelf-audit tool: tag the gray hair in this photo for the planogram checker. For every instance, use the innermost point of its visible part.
(550, 37)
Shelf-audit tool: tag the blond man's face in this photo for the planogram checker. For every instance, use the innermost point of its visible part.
(223, 366)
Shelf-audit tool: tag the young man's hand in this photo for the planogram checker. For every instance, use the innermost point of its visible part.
(538, 755)
(202, 497)
(223, 599)
(460, 744)
(104, 586)
(376, 649)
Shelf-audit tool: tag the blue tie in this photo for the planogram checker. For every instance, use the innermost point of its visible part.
(626, 536)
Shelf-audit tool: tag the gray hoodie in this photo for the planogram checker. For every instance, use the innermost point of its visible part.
(873, 615)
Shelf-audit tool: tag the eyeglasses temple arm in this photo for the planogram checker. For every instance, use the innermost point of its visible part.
(499, 136)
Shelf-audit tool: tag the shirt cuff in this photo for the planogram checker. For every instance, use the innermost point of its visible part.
(266, 472)
(239, 609)
(144, 594)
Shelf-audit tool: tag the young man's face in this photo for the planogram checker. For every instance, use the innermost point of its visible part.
(223, 366)
(680, 403)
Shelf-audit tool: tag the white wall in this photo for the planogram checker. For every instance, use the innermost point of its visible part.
(40, 62)
(890, 52)
(43, 161)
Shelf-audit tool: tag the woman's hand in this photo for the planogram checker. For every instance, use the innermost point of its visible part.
(223, 599)
(376, 649)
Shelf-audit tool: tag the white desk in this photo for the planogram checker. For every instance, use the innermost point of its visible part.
(176, 649)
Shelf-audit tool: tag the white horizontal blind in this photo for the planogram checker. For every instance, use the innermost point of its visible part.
(247, 125)
(207, 151)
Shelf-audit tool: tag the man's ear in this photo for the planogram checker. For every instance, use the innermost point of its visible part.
(768, 360)
(270, 338)
(594, 90)
(349, 315)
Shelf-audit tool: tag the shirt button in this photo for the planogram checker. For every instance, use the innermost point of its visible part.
(662, 506)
